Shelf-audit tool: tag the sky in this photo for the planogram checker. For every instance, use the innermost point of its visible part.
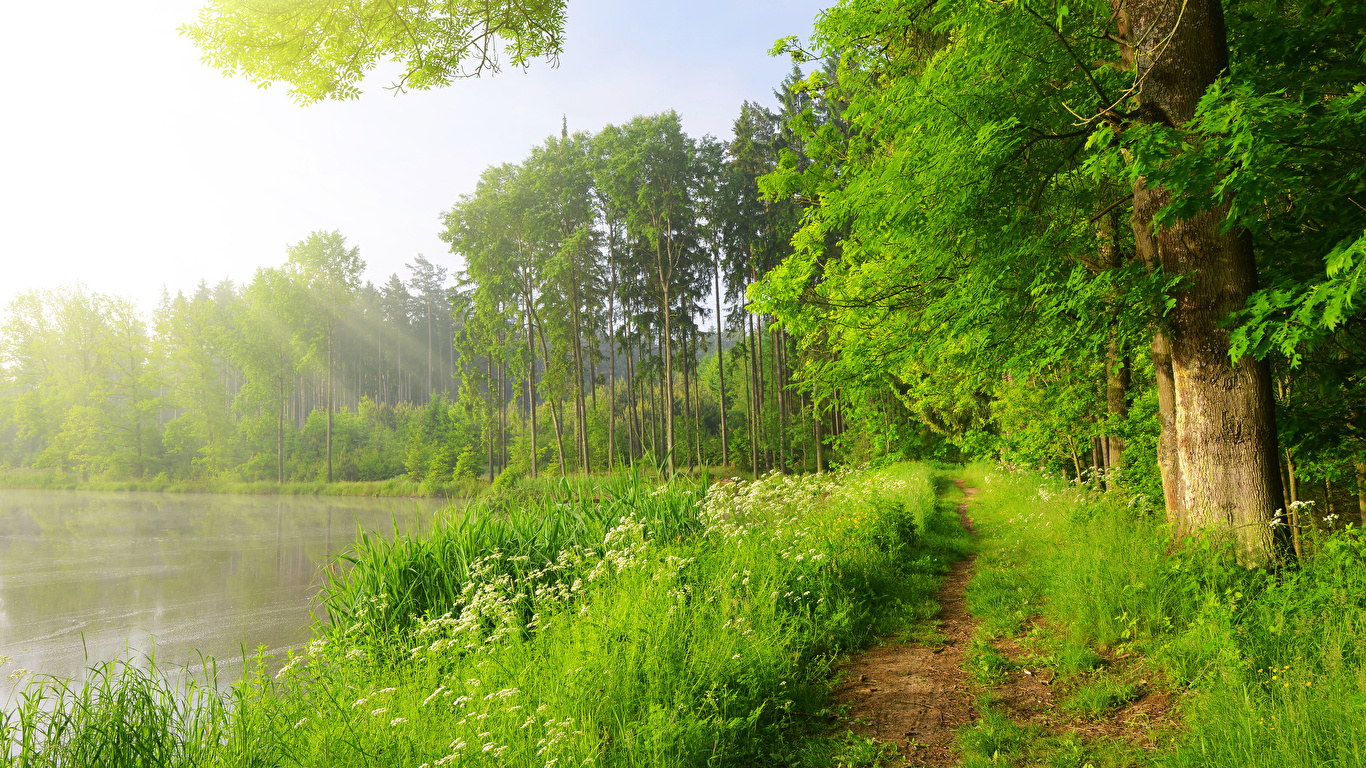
(128, 165)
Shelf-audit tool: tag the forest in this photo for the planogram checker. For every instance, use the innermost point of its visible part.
(589, 282)
(1012, 364)
(929, 250)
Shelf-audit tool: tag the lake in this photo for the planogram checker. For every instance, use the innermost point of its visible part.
(89, 576)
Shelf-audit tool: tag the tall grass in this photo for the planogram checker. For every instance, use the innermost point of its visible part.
(610, 623)
(119, 714)
(1274, 663)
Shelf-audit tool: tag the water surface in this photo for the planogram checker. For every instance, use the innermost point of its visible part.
(89, 576)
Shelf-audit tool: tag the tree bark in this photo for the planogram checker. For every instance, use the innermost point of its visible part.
(720, 363)
(818, 418)
(1361, 491)
(687, 394)
(1225, 428)
(329, 400)
(531, 382)
(1117, 372)
(756, 413)
(779, 396)
(554, 412)
(612, 357)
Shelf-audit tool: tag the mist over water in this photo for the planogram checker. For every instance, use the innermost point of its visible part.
(89, 576)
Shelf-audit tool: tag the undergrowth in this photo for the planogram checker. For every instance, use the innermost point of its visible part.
(624, 624)
(1268, 667)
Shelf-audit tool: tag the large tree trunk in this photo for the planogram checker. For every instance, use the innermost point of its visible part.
(1225, 426)
(1361, 491)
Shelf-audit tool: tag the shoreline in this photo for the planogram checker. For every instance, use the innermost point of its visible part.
(392, 488)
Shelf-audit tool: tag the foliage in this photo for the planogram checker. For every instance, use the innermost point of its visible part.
(648, 628)
(323, 49)
(1271, 662)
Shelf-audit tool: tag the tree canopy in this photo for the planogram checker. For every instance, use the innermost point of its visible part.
(322, 49)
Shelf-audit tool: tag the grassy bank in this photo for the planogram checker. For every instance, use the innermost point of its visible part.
(1265, 669)
(467, 488)
(620, 624)
(394, 487)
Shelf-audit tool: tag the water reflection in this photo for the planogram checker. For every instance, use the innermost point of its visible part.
(88, 576)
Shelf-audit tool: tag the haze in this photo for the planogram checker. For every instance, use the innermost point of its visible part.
(130, 165)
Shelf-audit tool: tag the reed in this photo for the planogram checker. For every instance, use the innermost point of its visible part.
(599, 621)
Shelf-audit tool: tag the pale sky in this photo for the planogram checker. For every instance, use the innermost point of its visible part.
(128, 165)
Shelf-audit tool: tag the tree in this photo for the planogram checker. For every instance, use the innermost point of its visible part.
(654, 164)
(331, 273)
(266, 345)
(323, 48)
(429, 282)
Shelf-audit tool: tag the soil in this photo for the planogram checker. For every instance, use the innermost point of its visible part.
(1028, 695)
(915, 695)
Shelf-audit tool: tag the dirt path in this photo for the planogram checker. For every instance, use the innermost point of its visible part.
(913, 695)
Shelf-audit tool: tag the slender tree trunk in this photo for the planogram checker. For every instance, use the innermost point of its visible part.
(329, 403)
(756, 397)
(1224, 411)
(612, 358)
(633, 437)
(654, 418)
(720, 363)
(818, 418)
(668, 394)
(492, 414)
(554, 412)
(697, 400)
(430, 392)
(687, 396)
(1117, 370)
(531, 382)
(1117, 402)
(580, 402)
(1292, 513)
(749, 403)
(281, 403)
(503, 411)
(779, 380)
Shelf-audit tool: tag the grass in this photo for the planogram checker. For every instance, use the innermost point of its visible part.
(461, 488)
(50, 480)
(610, 622)
(1269, 668)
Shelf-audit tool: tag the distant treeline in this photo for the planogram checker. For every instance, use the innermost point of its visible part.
(580, 333)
